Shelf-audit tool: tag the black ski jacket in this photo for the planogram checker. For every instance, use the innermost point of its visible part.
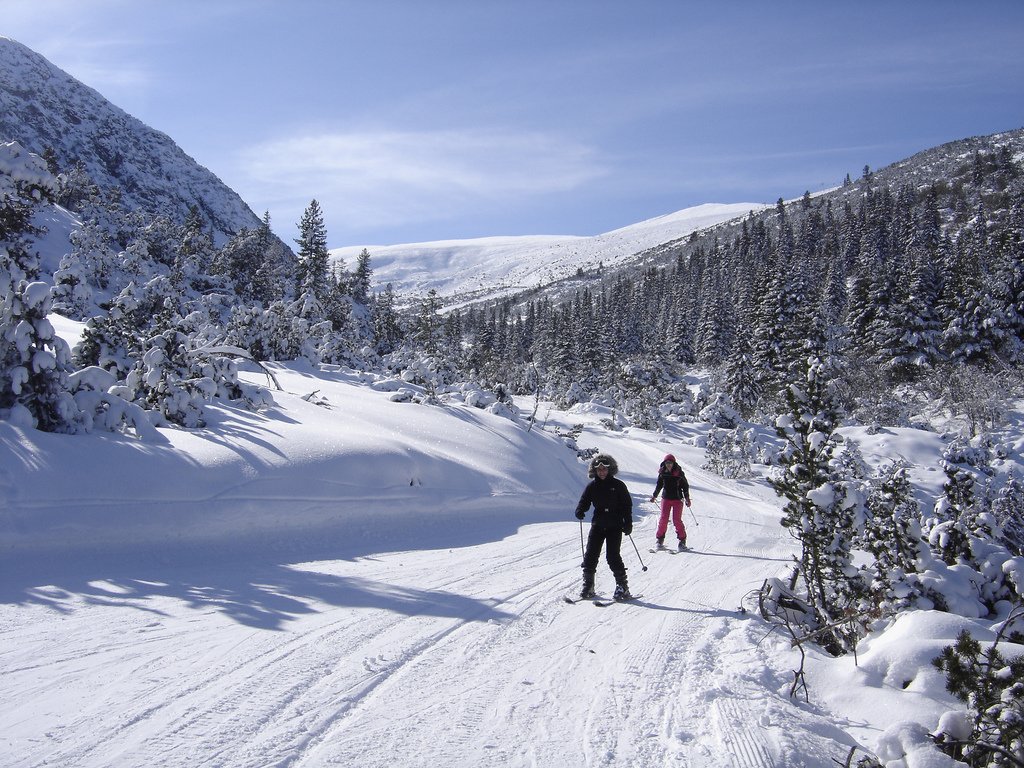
(613, 506)
(674, 483)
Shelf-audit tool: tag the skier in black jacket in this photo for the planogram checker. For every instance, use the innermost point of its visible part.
(613, 517)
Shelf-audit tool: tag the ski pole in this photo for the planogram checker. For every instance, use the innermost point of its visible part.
(583, 552)
(643, 567)
(694, 515)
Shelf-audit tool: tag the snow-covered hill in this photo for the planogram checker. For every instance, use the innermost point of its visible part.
(42, 106)
(496, 266)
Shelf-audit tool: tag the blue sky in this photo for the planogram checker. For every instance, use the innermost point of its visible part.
(413, 120)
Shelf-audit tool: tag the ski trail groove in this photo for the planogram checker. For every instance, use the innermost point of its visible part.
(739, 734)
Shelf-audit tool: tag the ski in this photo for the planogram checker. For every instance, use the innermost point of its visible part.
(606, 603)
(574, 600)
(666, 549)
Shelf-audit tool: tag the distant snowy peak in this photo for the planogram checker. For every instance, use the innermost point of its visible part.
(495, 266)
(42, 106)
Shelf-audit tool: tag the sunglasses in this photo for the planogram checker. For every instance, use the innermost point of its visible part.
(602, 463)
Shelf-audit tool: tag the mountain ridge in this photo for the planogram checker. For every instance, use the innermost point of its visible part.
(42, 107)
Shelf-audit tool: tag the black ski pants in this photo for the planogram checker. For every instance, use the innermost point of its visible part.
(611, 540)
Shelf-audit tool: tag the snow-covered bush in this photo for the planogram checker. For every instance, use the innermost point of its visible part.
(34, 362)
(279, 332)
(892, 534)
(964, 531)
(730, 452)
(720, 413)
(105, 411)
(85, 274)
(908, 744)
(505, 410)
(573, 394)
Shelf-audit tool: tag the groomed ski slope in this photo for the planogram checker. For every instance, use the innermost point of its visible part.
(413, 636)
(466, 656)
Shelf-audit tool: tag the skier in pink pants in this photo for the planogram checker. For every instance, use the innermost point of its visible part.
(672, 479)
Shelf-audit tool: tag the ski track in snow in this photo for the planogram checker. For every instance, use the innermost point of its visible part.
(421, 658)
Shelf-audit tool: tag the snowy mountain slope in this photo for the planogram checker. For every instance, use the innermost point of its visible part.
(42, 106)
(496, 266)
(379, 583)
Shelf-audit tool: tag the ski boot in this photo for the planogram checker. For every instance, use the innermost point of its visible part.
(682, 545)
(588, 587)
(621, 589)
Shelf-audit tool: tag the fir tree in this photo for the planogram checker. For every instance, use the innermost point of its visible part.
(973, 331)
(387, 332)
(741, 380)
(312, 274)
(427, 326)
(361, 278)
(918, 347)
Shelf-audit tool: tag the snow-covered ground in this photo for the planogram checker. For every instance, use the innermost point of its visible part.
(349, 580)
(495, 266)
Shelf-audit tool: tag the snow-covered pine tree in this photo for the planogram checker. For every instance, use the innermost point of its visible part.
(427, 325)
(586, 355)
(991, 684)
(1008, 508)
(92, 271)
(276, 265)
(1010, 285)
(741, 381)
(238, 261)
(256, 264)
(820, 510)
(973, 328)
(387, 330)
(116, 341)
(639, 384)
(72, 288)
(194, 256)
(312, 275)
(965, 530)
(75, 187)
(832, 304)
(34, 361)
(917, 348)
(892, 534)
(714, 331)
(767, 327)
(361, 278)
(267, 334)
(949, 530)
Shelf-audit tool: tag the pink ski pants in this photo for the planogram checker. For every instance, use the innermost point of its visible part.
(675, 506)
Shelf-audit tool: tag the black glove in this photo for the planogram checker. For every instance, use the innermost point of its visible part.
(580, 514)
(627, 530)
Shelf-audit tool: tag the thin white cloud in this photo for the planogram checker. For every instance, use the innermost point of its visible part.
(369, 179)
(78, 38)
